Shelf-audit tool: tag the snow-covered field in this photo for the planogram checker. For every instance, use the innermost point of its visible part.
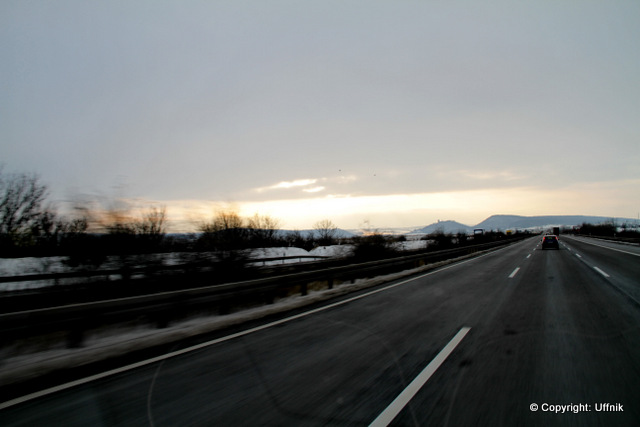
(45, 265)
(335, 251)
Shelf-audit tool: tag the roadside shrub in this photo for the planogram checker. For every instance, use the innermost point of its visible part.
(373, 246)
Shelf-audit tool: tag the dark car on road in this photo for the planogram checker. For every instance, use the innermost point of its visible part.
(550, 241)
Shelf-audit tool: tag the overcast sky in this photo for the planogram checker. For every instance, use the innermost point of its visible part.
(398, 113)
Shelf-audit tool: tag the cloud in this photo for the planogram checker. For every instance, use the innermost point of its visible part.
(296, 183)
(308, 185)
(288, 184)
(491, 175)
(314, 189)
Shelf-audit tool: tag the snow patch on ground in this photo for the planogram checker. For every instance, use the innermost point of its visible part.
(32, 265)
(47, 265)
(410, 245)
(335, 251)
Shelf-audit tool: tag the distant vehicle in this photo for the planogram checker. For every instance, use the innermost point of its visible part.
(556, 231)
(550, 241)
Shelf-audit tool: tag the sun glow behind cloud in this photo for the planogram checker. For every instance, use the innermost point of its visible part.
(392, 209)
(402, 210)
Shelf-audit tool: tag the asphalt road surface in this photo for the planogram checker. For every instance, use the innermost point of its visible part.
(520, 336)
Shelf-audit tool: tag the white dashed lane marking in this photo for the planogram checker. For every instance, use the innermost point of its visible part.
(601, 272)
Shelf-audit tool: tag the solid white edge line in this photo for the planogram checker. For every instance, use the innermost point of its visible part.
(81, 381)
(601, 272)
(513, 274)
(385, 418)
(606, 247)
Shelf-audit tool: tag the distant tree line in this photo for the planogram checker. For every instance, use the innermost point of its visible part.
(31, 226)
(609, 229)
(441, 240)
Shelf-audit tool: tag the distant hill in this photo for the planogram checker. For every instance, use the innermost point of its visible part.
(505, 222)
(513, 222)
(446, 227)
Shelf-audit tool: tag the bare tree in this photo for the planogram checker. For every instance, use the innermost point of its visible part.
(263, 229)
(22, 212)
(326, 232)
(153, 223)
(227, 231)
(295, 239)
(224, 220)
(76, 226)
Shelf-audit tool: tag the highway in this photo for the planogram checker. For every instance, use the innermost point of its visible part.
(519, 336)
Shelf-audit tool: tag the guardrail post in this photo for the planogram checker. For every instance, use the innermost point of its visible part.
(162, 319)
(224, 306)
(303, 289)
(75, 337)
(330, 282)
(268, 297)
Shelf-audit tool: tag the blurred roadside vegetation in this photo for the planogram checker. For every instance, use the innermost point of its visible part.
(30, 226)
(608, 229)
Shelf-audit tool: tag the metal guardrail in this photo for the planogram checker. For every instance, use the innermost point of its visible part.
(133, 271)
(629, 240)
(161, 308)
